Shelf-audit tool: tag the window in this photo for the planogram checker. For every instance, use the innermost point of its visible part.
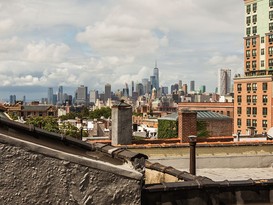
(270, 62)
(264, 86)
(254, 98)
(248, 53)
(254, 65)
(264, 123)
(248, 31)
(248, 20)
(262, 51)
(239, 122)
(239, 87)
(270, 26)
(262, 63)
(270, 3)
(248, 122)
(248, 9)
(270, 50)
(270, 38)
(262, 39)
(248, 98)
(264, 111)
(254, 111)
(254, 19)
(254, 7)
(248, 87)
(247, 42)
(228, 113)
(254, 42)
(254, 29)
(239, 99)
(254, 86)
(248, 64)
(264, 98)
(270, 15)
(239, 110)
(254, 52)
(254, 123)
(248, 110)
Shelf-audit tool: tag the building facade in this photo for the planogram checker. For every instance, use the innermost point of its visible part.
(224, 82)
(253, 91)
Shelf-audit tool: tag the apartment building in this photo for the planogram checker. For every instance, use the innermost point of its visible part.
(253, 90)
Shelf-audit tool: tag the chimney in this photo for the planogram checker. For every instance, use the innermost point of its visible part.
(187, 124)
(121, 124)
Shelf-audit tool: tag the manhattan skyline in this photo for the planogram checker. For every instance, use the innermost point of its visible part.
(72, 43)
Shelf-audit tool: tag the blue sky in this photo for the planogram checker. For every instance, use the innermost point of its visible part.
(73, 42)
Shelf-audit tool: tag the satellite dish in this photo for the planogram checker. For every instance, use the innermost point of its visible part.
(270, 133)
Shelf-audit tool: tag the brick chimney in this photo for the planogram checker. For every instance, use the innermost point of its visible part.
(187, 124)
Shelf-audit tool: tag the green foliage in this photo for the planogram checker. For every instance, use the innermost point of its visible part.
(47, 123)
(71, 115)
(70, 130)
(167, 129)
(202, 129)
(98, 113)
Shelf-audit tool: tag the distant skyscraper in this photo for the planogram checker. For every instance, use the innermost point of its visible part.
(156, 75)
(107, 92)
(93, 96)
(55, 99)
(81, 95)
(12, 99)
(60, 95)
(192, 86)
(133, 87)
(164, 90)
(180, 84)
(185, 89)
(174, 88)
(139, 89)
(146, 85)
(153, 83)
(224, 81)
(50, 96)
(202, 88)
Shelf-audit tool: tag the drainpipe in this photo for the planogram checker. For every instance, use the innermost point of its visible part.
(192, 142)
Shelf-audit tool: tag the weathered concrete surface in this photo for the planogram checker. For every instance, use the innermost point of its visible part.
(31, 178)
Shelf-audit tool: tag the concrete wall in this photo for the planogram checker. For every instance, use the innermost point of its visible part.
(28, 177)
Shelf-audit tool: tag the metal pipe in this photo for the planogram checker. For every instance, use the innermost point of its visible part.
(192, 143)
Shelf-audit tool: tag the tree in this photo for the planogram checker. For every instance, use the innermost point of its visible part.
(70, 130)
(47, 123)
(98, 113)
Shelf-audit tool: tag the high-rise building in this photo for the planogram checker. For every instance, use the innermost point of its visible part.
(12, 99)
(224, 82)
(180, 84)
(146, 85)
(153, 83)
(139, 89)
(202, 89)
(81, 95)
(156, 75)
(133, 88)
(164, 90)
(192, 85)
(253, 90)
(93, 96)
(50, 96)
(60, 94)
(107, 92)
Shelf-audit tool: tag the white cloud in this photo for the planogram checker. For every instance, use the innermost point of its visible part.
(43, 52)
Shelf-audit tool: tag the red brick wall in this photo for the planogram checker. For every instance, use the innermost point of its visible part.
(187, 124)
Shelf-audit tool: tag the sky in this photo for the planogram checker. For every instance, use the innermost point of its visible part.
(86, 42)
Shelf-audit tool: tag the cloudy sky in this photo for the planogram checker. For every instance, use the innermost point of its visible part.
(73, 42)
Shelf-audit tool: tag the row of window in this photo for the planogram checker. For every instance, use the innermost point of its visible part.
(254, 41)
(254, 30)
(254, 52)
(254, 19)
(254, 64)
(254, 7)
(252, 111)
(251, 86)
(252, 123)
(252, 99)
